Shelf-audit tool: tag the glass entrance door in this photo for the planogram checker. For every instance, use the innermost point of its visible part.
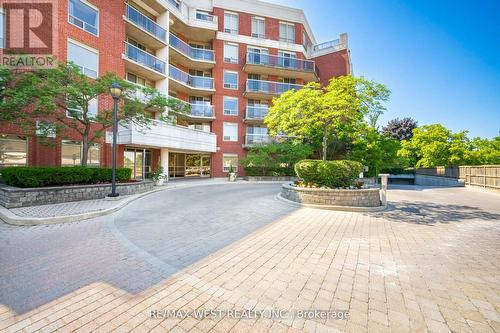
(139, 161)
(197, 165)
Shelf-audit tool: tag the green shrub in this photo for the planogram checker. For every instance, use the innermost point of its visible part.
(269, 171)
(331, 174)
(57, 176)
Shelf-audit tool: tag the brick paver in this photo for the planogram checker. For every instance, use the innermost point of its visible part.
(430, 263)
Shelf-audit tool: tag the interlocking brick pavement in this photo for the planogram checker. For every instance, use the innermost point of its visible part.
(430, 263)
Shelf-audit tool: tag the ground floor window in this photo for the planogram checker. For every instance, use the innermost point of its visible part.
(13, 151)
(229, 160)
(188, 165)
(139, 161)
(71, 153)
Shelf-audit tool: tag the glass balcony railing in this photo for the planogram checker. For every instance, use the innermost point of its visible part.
(257, 139)
(206, 17)
(270, 87)
(189, 51)
(280, 62)
(146, 23)
(142, 57)
(199, 110)
(333, 45)
(198, 82)
(257, 111)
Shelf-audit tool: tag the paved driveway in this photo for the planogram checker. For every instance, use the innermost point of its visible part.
(430, 263)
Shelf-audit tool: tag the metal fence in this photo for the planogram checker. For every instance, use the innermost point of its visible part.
(477, 175)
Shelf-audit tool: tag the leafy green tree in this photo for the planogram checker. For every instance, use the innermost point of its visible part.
(313, 111)
(485, 151)
(64, 94)
(435, 145)
(400, 129)
(376, 151)
(275, 158)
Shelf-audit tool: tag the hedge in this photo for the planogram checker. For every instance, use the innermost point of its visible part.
(268, 171)
(331, 174)
(57, 176)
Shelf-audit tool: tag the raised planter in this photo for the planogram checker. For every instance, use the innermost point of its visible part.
(369, 197)
(270, 178)
(14, 197)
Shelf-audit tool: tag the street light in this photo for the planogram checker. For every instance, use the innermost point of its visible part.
(116, 91)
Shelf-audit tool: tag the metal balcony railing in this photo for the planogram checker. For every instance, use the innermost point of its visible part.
(257, 139)
(189, 51)
(146, 59)
(145, 23)
(257, 111)
(198, 82)
(270, 87)
(198, 110)
(280, 62)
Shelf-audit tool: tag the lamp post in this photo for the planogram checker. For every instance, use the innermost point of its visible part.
(116, 91)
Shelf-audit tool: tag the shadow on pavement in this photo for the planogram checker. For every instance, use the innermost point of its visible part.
(431, 213)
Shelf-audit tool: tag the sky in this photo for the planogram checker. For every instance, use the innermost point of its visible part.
(440, 59)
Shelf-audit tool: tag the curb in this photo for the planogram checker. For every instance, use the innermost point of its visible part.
(330, 207)
(10, 218)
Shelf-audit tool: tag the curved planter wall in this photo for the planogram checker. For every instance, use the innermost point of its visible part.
(332, 197)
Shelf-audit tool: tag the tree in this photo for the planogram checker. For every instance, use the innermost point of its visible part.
(66, 95)
(400, 129)
(485, 151)
(435, 145)
(338, 107)
(275, 158)
(376, 151)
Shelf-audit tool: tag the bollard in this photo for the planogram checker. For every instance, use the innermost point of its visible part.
(383, 188)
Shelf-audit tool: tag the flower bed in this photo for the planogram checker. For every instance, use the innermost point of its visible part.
(365, 197)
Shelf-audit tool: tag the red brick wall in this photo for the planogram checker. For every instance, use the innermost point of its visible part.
(110, 46)
(333, 65)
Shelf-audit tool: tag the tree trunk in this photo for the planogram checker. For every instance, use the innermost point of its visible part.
(85, 149)
(325, 142)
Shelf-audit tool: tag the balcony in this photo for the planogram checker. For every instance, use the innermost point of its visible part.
(189, 21)
(143, 63)
(145, 30)
(198, 111)
(267, 64)
(252, 140)
(162, 135)
(190, 84)
(256, 113)
(329, 47)
(259, 89)
(188, 56)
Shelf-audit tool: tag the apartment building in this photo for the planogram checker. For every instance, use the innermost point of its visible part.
(226, 58)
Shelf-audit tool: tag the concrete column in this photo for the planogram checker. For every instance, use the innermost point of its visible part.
(164, 162)
(162, 85)
(384, 177)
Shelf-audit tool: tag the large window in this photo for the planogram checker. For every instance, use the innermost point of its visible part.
(231, 53)
(229, 160)
(91, 114)
(71, 153)
(287, 32)
(84, 16)
(230, 132)
(230, 106)
(2, 30)
(231, 23)
(13, 151)
(230, 80)
(85, 58)
(258, 27)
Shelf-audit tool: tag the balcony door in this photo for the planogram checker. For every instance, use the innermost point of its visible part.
(258, 56)
(287, 59)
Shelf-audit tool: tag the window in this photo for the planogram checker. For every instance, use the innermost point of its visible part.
(258, 27)
(231, 23)
(287, 32)
(230, 80)
(84, 16)
(13, 150)
(230, 132)
(231, 53)
(84, 58)
(203, 15)
(45, 129)
(229, 160)
(230, 106)
(287, 59)
(2, 30)
(305, 40)
(71, 153)
(77, 112)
